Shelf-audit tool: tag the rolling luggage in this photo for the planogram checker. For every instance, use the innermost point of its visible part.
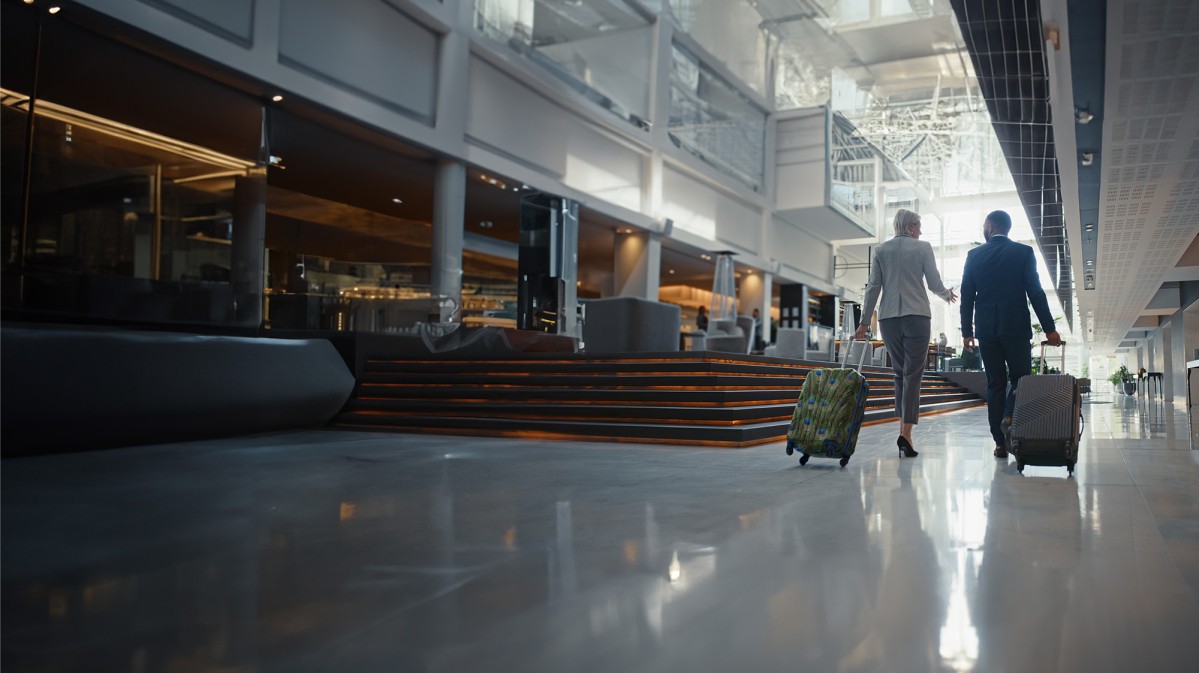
(828, 414)
(1047, 421)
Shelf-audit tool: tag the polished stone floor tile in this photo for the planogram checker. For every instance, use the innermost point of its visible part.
(337, 551)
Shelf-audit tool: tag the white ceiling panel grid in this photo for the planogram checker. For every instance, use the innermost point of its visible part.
(1149, 209)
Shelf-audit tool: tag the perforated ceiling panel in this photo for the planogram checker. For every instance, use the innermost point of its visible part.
(1149, 197)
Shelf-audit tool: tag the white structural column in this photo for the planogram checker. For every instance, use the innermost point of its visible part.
(249, 233)
(637, 269)
(766, 305)
(449, 213)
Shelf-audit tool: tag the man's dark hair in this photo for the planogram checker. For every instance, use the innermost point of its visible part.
(1000, 221)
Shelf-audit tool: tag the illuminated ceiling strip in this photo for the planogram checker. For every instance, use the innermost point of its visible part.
(109, 127)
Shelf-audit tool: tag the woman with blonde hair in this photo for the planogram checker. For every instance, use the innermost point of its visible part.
(902, 267)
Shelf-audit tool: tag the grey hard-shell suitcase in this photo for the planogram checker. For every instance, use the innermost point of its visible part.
(1047, 422)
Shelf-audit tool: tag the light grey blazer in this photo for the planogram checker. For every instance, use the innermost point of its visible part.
(901, 266)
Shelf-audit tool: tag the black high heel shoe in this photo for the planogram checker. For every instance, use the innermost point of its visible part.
(905, 448)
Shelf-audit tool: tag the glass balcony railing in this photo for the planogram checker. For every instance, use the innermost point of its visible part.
(597, 47)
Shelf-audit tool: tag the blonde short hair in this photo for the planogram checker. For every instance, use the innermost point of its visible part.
(904, 220)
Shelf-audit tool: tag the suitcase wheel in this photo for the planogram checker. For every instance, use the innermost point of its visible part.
(1069, 468)
(1020, 466)
(790, 447)
(844, 460)
(803, 460)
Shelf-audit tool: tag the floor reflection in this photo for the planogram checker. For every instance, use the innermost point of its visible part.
(903, 630)
(1030, 555)
(353, 551)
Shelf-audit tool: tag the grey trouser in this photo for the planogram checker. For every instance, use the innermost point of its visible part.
(906, 339)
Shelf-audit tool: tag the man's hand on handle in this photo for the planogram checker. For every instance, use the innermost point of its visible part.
(969, 343)
(861, 332)
(1053, 338)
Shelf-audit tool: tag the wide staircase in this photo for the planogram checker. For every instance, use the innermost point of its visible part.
(690, 398)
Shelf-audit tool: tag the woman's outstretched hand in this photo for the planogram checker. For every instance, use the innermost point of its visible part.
(953, 297)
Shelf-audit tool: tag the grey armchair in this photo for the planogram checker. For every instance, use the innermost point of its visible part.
(880, 356)
(726, 336)
(857, 352)
(631, 325)
(789, 342)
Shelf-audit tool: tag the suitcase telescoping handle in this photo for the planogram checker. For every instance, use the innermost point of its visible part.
(1043, 361)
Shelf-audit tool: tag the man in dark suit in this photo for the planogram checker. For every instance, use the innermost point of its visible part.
(999, 281)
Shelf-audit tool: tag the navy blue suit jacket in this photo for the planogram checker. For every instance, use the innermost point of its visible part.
(998, 278)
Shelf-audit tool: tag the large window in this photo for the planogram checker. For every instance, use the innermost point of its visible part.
(711, 119)
(122, 223)
(129, 210)
(599, 47)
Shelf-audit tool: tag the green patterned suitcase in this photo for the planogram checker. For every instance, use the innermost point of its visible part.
(828, 415)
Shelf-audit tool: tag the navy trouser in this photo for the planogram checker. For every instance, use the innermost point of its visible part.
(1006, 360)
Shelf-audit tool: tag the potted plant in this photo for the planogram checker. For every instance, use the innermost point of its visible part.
(1123, 381)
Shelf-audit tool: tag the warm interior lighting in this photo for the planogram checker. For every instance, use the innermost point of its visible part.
(277, 98)
(55, 9)
(397, 201)
(109, 127)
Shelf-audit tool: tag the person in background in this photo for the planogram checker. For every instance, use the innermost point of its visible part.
(757, 336)
(701, 319)
(942, 344)
(999, 281)
(902, 266)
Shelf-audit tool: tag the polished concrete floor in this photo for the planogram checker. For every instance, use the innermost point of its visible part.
(346, 551)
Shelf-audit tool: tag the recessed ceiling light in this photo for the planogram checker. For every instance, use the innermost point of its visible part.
(29, 2)
(55, 9)
(670, 271)
(277, 97)
(486, 224)
(397, 201)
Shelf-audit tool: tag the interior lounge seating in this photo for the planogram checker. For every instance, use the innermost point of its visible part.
(858, 352)
(880, 356)
(821, 345)
(748, 325)
(789, 342)
(727, 336)
(631, 325)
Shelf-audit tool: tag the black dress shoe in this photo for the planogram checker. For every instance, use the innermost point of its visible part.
(1000, 452)
(905, 448)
